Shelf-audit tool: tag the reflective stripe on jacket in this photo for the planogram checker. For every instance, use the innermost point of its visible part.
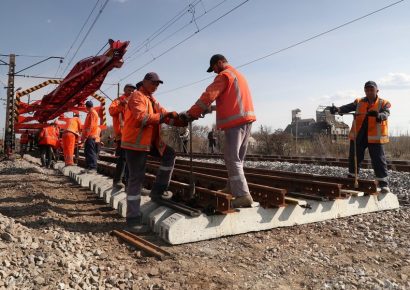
(377, 130)
(142, 123)
(234, 105)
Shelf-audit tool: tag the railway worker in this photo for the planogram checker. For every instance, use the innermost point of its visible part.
(116, 110)
(234, 115)
(371, 113)
(24, 139)
(70, 138)
(141, 137)
(89, 134)
(184, 138)
(48, 139)
(211, 140)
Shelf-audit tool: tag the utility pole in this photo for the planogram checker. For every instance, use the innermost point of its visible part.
(9, 136)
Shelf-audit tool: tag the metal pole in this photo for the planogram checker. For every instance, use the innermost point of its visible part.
(296, 140)
(9, 136)
(118, 90)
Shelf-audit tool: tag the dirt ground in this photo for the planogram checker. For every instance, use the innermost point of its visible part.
(56, 235)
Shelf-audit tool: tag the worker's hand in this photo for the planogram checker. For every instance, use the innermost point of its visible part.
(172, 115)
(333, 110)
(185, 117)
(373, 114)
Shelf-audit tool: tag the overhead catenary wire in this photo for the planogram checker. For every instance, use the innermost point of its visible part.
(78, 34)
(160, 30)
(86, 35)
(292, 45)
(185, 39)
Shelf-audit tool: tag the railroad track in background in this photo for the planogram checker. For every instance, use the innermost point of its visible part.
(271, 188)
(397, 165)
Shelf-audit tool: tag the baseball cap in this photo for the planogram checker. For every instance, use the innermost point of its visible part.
(370, 84)
(89, 104)
(214, 59)
(153, 77)
(129, 85)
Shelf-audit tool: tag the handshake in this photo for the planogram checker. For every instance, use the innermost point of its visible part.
(186, 117)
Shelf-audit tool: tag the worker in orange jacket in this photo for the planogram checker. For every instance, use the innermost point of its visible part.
(48, 139)
(370, 129)
(23, 143)
(70, 138)
(89, 134)
(140, 138)
(234, 115)
(117, 110)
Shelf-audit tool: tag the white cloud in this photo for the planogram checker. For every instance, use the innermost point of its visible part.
(339, 97)
(395, 81)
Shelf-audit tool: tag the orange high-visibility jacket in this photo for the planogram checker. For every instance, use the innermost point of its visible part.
(98, 138)
(142, 123)
(116, 110)
(48, 136)
(74, 125)
(90, 125)
(377, 130)
(234, 105)
(24, 138)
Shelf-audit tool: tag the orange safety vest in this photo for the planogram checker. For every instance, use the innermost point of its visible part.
(90, 124)
(117, 111)
(48, 136)
(234, 106)
(377, 132)
(74, 125)
(141, 124)
(24, 138)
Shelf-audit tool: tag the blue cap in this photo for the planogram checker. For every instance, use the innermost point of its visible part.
(89, 104)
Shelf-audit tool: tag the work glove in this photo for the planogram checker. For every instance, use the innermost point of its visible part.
(172, 115)
(373, 114)
(185, 117)
(209, 110)
(333, 110)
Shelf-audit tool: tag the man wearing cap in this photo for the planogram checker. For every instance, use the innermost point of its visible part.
(371, 113)
(234, 115)
(116, 110)
(140, 138)
(89, 134)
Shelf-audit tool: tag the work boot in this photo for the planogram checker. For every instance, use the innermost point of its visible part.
(135, 225)
(384, 189)
(242, 201)
(165, 195)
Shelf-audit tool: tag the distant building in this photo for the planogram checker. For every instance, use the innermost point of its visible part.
(325, 124)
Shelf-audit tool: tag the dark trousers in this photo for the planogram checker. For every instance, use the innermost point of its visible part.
(46, 155)
(136, 161)
(377, 156)
(121, 172)
(90, 150)
(23, 149)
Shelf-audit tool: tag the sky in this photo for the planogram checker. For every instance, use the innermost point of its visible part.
(176, 39)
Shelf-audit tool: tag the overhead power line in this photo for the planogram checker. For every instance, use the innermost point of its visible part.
(185, 39)
(292, 45)
(79, 33)
(86, 35)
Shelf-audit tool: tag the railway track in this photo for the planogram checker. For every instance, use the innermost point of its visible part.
(398, 165)
(271, 188)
